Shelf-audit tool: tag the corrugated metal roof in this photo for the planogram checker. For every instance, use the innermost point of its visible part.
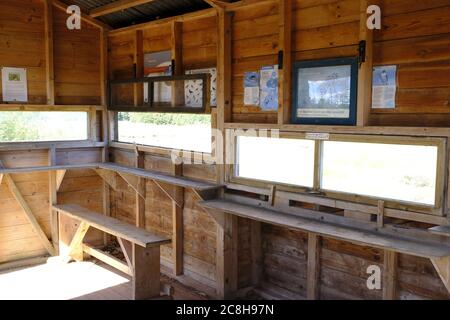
(154, 10)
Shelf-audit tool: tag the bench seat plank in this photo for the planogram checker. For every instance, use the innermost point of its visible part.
(401, 244)
(160, 177)
(113, 226)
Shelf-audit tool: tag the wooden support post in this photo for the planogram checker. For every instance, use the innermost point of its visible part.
(226, 256)
(285, 73)
(146, 272)
(365, 69)
(49, 63)
(442, 267)
(390, 275)
(227, 238)
(177, 58)
(313, 273)
(106, 199)
(139, 65)
(224, 101)
(141, 190)
(380, 215)
(177, 222)
(256, 251)
(104, 78)
(53, 199)
(127, 248)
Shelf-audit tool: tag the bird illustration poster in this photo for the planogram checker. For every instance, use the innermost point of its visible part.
(251, 88)
(384, 87)
(269, 88)
(194, 88)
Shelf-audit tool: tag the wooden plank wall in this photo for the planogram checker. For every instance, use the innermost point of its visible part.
(415, 36)
(76, 58)
(22, 43)
(198, 227)
(76, 53)
(17, 238)
(77, 63)
(254, 44)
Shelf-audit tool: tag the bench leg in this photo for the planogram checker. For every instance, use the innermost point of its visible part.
(146, 272)
(75, 250)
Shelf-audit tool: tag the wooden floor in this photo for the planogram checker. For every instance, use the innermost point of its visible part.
(89, 280)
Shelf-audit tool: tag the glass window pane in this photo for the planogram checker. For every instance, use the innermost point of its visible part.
(21, 126)
(289, 161)
(324, 92)
(191, 132)
(400, 172)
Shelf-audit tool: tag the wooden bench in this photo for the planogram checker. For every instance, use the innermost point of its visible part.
(140, 247)
(318, 223)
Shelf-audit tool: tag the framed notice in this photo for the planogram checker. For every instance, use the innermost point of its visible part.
(14, 85)
(325, 92)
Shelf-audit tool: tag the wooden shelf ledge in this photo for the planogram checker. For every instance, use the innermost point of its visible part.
(112, 226)
(48, 168)
(141, 173)
(161, 177)
(377, 239)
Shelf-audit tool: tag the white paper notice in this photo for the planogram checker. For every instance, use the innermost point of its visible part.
(14, 85)
(384, 87)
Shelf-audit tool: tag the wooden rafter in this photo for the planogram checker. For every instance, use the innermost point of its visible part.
(116, 6)
(86, 18)
(218, 4)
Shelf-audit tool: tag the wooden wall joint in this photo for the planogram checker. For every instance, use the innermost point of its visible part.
(364, 102)
(178, 222)
(226, 256)
(313, 271)
(390, 275)
(49, 61)
(285, 71)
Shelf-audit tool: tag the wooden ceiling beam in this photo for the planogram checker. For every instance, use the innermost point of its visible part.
(116, 6)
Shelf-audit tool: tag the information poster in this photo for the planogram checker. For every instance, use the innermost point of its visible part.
(384, 87)
(14, 85)
(269, 88)
(251, 88)
(158, 64)
(194, 88)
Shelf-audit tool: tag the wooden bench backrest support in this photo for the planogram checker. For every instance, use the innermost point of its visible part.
(113, 226)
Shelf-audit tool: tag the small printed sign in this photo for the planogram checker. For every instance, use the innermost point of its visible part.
(317, 136)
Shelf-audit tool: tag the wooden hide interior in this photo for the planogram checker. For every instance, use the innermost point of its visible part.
(228, 237)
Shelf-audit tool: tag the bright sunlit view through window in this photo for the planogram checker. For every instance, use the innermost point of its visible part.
(289, 161)
(21, 126)
(190, 132)
(401, 172)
